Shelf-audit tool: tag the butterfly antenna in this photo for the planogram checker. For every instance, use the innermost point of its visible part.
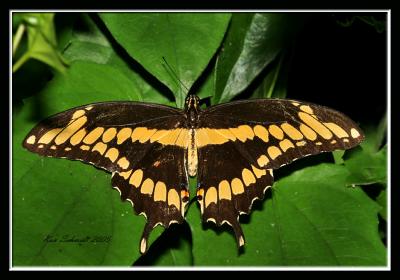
(174, 74)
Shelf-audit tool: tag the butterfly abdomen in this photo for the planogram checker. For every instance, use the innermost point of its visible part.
(192, 159)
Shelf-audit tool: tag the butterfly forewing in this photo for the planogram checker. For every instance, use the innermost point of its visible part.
(142, 144)
(272, 133)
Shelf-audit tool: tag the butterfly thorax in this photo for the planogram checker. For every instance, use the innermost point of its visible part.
(192, 113)
(192, 109)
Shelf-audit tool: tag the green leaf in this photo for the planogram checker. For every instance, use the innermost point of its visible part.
(88, 43)
(74, 218)
(367, 168)
(253, 41)
(311, 219)
(382, 200)
(274, 83)
(338, 156)
(58, 197)
(375, 135)
(187, 41)
(42, 44)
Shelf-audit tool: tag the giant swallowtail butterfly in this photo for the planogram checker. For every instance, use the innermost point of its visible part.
(151, 150)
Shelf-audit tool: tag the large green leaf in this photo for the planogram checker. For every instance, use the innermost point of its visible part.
(42, 44)
(274, 83)
(88, 43)
(187, 41)
(367, 167)
(252, 42)
(311, 219)
(60, 198)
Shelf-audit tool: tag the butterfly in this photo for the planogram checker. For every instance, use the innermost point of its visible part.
(233, 148)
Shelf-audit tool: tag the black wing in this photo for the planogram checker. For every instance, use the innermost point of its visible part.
(143, 145)
(239, 143)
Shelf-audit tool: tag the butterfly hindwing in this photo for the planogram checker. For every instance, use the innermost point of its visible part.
(98, 133)
(157, 187)
(228, 185)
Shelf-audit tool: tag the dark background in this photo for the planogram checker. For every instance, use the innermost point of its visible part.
(341, 67)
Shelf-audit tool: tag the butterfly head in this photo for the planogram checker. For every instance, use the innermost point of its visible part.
(192, 109)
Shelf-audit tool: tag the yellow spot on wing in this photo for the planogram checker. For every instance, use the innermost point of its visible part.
(93, 135)
(286, 144)
(316, 125)
(248, 177)
(273, 152)
(247, 131)
(158, 135)
(147, 186)
(214, 137)
(67, 149)
(211, 196)
(85, 147)
(307, 109)
(123, 163)
(224, 190)
(276, 131)
(182, 140)
(291, 131)
(337, 130)
(201, 138)
(209, 136)
(261, 132)
(171, 137)
(49, 135)
(77, 137)
(146, 135)
(137, 133)
(295, 103)
(258, 172)
(53, 147)
(239, 133)
(354, 133)
(112, 154)
(308, 132)
(262, 160)
(173, 198)
(136, 178)
(100, 147)
(109, 134)
(160, 192)
(241, 241)
(70, 130)
(123, 134)
(302, 143)
(125, 174)
(226, 133)
(78, 114)
(89, 108)
(237, 186)
(31, 140)
(143, 245)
